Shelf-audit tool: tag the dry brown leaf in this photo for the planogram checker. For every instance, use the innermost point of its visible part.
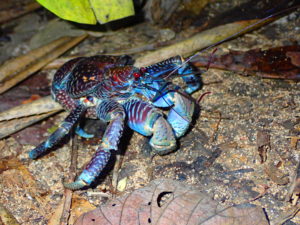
(294, 141)
(79, 206)
(165, 202)
(276, 175)
(6, 218)
(19, 175)
(263, 144)
(55, 218)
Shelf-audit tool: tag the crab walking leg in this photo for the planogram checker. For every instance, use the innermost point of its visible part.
(107, 111)
(147, 120)
(60, 133)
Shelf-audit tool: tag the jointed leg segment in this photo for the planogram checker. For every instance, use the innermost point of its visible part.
(147, 120)
(63, 130)
(108, 111)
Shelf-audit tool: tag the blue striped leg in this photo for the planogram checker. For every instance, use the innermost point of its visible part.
(60, 133)
(107, 111)
(147, 120)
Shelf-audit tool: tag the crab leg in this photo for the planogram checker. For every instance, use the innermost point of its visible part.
(147, 120)
(60, 133)
(107, 111)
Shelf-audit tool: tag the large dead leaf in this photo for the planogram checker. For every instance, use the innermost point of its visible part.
(166, 202)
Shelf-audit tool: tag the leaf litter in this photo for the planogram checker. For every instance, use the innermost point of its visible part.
(182, 204)
(228, 167)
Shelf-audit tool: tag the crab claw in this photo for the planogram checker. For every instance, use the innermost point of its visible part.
(75, 185)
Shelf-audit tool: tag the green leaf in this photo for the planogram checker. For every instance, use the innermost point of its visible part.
(90, 11)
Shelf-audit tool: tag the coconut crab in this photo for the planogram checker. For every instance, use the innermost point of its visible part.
(111, 89)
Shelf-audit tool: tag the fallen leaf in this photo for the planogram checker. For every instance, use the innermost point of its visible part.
(56, 215)
(294, 141)
(79, 206)
(90, 11)
(6, 218)
(122, 184)
(165, 202)
(276, 175)
(279, 63)
(263, 144)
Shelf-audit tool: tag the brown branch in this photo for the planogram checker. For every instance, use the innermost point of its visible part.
(7, 14)
(18, 69)
(12, 126)
(37, 107)
(199, 41)
(57, 63)
(69, 193)
(213, 136)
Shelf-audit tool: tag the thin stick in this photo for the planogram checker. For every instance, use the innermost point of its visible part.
(37, 107)
(213, 136)
(12, 126)
(47, 54)
(17, 10)
(69, 193)
(118, 164)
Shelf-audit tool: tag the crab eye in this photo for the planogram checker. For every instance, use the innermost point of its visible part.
(90, 98)
(137, 75)
(115, 77)
(143, 69)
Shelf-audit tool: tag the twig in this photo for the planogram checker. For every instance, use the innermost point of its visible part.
(68, 193)
(117, 166)
(7, 14)
(198, 41)
(286, 216)
(37, 107)
(261, 194)
(16, 70)
(12, 126)
(201, 96)
(213, 136)
(294, 190)
(57, 63)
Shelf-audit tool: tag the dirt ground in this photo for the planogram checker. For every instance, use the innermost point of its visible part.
(219, 152)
